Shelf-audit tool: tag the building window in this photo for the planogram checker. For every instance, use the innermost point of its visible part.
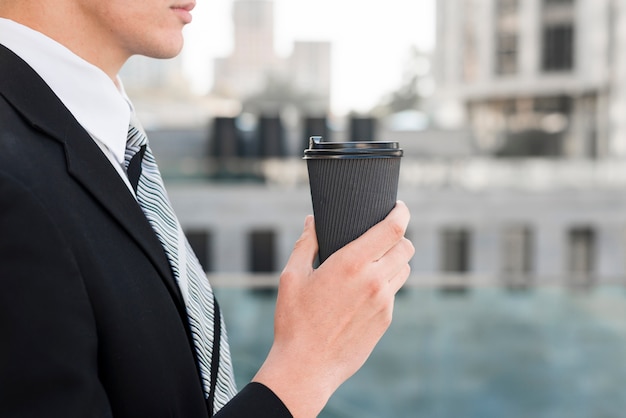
(201, 243)
(262, 251)
(506, 54)
(517, 259)
(507, 28)
(553, 104)
(455, 250)
(558, 36)
(549, 3)
(581, 253)
(558, 48)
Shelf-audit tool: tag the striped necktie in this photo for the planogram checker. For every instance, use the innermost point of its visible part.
(205, 321)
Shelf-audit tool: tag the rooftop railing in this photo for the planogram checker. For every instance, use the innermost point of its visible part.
(438, 281)
(459, 173)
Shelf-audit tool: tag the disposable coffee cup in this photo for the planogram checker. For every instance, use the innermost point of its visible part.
(354, 185)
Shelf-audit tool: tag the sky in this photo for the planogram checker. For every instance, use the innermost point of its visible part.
(370, 41)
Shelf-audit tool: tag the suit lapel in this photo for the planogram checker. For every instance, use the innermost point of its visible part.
(29, 94)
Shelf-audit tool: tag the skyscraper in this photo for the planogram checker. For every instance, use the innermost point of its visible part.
(253, 64)
(253, 56)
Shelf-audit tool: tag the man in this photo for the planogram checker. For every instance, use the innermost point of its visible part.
(97, 307)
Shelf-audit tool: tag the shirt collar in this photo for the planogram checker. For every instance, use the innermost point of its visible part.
(90, 95)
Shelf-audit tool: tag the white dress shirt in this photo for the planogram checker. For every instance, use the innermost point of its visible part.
(102, 109)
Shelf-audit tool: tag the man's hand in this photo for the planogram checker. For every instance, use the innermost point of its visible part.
(328, 320)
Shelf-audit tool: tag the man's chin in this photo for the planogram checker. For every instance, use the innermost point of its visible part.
(163, 51)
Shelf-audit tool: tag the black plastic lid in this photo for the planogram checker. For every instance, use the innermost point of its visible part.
(362, 149)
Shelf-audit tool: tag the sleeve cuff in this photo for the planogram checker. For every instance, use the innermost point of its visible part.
(255, 400)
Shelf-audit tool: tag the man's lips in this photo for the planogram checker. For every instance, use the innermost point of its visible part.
(183, 11)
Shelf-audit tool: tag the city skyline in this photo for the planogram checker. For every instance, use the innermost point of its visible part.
(368, 52)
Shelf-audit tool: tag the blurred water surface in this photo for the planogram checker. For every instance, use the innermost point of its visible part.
(543, 352)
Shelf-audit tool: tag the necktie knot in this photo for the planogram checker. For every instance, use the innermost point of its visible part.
(136, 144)
(136, 137)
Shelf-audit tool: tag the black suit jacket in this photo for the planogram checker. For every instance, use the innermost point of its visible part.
(92, 323)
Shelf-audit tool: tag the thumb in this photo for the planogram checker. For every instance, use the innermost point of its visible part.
(305, 249)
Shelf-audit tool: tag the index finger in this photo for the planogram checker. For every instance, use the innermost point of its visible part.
(376, 241)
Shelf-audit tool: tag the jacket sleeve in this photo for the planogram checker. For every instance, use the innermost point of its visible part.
(48, 345)
(254, 400)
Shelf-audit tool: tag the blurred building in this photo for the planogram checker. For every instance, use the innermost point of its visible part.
(534, 77)
(253, 56)
(254, 70)
(161, 94)
(143, 74)
(474, 223)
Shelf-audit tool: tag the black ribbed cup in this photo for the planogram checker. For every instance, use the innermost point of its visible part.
(354, 185)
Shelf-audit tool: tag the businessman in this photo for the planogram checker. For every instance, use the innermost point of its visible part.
(104, 311)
